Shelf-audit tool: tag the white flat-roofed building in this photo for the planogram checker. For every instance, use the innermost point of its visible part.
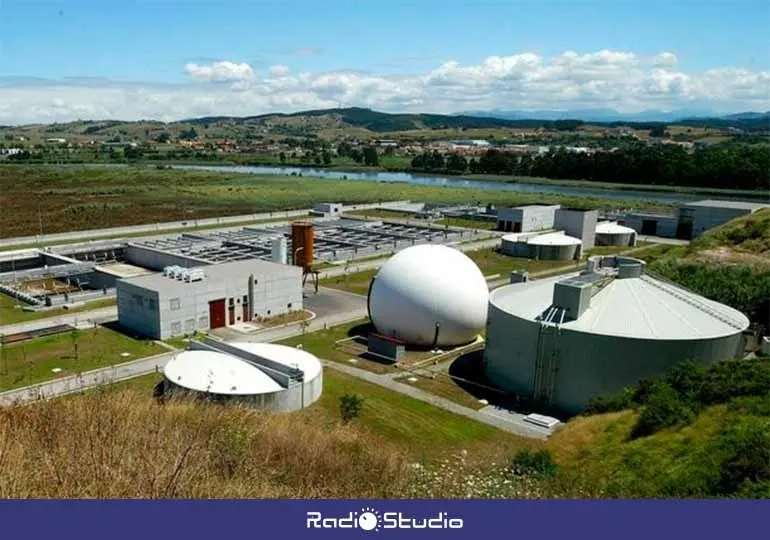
(181, 301)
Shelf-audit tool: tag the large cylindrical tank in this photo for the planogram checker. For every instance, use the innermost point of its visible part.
(429, 294)
(279, 250)
(302, 243)
(636, 328)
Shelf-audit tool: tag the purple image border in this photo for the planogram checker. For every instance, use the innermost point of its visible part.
(286, 519)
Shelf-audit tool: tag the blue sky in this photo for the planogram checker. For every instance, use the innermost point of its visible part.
(154, 42)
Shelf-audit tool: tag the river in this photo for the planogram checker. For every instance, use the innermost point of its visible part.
(668, 197)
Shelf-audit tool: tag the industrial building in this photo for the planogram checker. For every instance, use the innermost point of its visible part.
(180, 301)
(547, 247)
(609, 233)
(577, 223)
(698, 217)
(429, 295)
(691, 219)
(271, 377)
(61, 275)
(572, 231)
(562, 341)
(529, 218)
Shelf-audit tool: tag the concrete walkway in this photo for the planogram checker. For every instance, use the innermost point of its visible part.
(82, 318)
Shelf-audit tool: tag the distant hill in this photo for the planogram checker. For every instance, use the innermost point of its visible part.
(613, 116)
(367, 123)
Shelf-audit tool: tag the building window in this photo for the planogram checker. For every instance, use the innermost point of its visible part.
(137, 301)
(189, 326)
(203, 323)
(231, 302)
(245, 299)
(174, 304)
(176, 328)
(151, 304)
(289, 305)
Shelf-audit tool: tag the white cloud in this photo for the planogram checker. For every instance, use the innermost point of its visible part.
(624, 81)
(220, 71)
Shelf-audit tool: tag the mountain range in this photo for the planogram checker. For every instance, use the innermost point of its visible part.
(611, 115)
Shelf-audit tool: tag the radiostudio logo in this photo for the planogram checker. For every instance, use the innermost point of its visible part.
(370, 519)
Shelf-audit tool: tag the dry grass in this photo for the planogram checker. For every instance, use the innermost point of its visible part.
(110, 444)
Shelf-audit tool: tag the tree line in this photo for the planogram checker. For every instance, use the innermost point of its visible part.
(724, 166)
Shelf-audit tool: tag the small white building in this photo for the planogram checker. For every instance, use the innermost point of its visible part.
(526, 218)
(180, 301)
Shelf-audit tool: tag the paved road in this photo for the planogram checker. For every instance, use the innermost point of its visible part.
(156, 227)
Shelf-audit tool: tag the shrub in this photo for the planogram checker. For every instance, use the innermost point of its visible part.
(663, 408)
(350, 407)
(746, 455)
(612, 403)
(537, 463)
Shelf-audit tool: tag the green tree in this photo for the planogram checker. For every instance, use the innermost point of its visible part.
(327, 158)
(75, 336)
(370, 157)
(350, 407)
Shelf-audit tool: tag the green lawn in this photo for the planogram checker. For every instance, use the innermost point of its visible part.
(32, 361)
(322, 344)
(491, 262)
(355, 282)
(10, 314)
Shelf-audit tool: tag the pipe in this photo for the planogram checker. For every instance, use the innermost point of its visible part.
(368, 299)
(435, 336)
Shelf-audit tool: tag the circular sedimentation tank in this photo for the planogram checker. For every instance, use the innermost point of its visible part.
(428, 295)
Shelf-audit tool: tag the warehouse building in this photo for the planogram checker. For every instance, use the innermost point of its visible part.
(180, 301)
(695, 218)
(691, 219)
(562, 341)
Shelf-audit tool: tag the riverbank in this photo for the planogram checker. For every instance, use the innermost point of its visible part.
(399, 166)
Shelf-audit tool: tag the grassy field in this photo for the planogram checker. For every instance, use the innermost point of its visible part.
(322, 344)
(355, 282)
(94, 198)
(419, 429)
(32, 361)
(466, 223)
(10, 314)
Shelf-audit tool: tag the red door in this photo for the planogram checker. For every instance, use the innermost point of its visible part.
(246, 314)
(232, 315)
(217, 313)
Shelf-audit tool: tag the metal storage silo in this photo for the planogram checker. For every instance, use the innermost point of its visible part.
(562, 341)
(279, 250)
(302, 243)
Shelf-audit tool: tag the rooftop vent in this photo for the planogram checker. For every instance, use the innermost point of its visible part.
(187, 275)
